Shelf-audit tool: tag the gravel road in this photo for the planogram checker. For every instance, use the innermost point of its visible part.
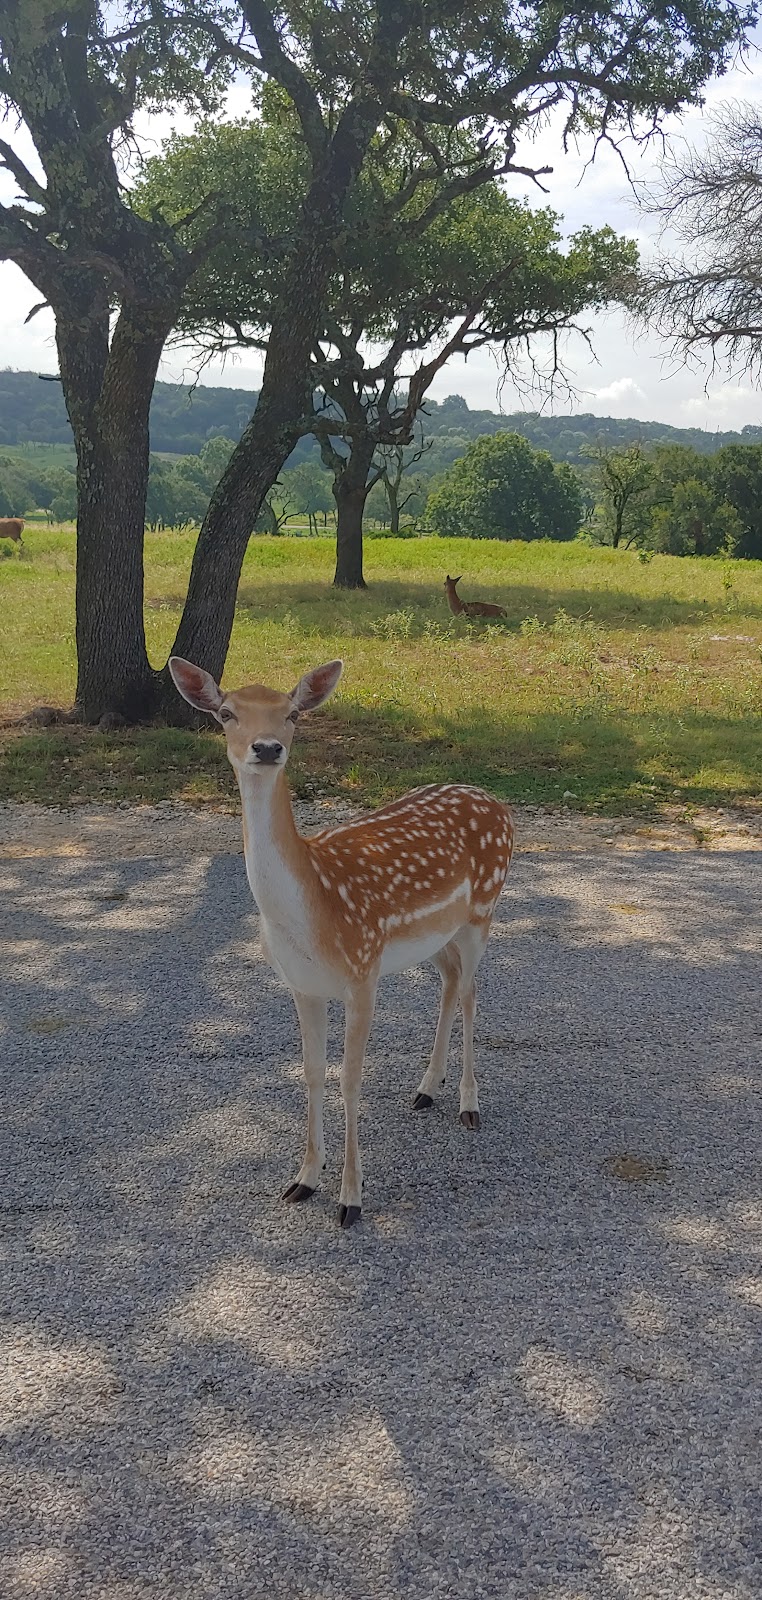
(532, 1373)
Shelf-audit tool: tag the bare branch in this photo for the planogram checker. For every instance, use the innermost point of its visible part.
(13, 163)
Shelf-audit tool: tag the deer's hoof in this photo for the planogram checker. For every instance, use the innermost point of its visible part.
(470, 1119)
(296, 1192)
(422, 1102)
(348, 1215)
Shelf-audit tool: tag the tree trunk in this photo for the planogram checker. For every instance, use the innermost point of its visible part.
(394, 508)
(265, 445)
(350, 490)
(285, 398)
(108, 397)
(205, 627)
(113, 668)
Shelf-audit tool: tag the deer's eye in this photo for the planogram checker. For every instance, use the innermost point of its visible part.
(293, 716)
(227, 716)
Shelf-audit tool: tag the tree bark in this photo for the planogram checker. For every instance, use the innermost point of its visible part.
(204, 632)
(265, 445)
(108, 396)
(350, 490)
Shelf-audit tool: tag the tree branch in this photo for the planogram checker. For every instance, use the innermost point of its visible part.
(13, 163)
(279, 66)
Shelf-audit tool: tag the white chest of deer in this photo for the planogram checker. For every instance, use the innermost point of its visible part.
(417, 879)
(287, 918)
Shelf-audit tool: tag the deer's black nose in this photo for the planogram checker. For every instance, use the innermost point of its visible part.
(267, 749)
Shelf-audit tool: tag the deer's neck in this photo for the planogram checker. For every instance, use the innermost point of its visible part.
(456, 604)
(276, 854)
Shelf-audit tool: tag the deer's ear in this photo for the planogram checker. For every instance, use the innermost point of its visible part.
(316, 686)
(195, 685)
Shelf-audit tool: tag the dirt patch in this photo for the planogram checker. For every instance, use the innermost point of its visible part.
(115, 832)
(635, 1169)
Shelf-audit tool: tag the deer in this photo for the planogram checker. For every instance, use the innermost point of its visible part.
(469, 608)
(417, 879)
(12, 528)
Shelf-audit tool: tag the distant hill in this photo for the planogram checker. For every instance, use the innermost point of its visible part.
(183, 419)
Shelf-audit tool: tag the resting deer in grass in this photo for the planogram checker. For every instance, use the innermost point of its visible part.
(469, 608)
(418, 879)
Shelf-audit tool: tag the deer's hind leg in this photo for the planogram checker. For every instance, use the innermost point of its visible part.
(471, 942)
(447, 962)
(359, 1007)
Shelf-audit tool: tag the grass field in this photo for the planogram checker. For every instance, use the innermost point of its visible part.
(619, 685)
(41, 455)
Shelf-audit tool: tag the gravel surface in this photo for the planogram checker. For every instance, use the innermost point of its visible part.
(531, 1373)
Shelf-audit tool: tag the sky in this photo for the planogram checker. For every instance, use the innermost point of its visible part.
(631, 374)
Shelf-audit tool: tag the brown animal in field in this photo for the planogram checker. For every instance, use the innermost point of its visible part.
(470, 608)
(12, 528)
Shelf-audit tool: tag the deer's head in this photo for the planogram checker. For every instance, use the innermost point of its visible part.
(258, 722)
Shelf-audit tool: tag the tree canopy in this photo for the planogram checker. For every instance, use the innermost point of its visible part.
(503, 489)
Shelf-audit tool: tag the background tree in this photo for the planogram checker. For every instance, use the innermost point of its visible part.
(309, 491)
(503, 489)
(706, 296)
(695, 522)
(736, 476)
(395, 464)
(624, 479)
(495, 274)
(74, 76)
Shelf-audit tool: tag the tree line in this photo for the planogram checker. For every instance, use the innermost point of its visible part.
(667, 498)
(183, 419)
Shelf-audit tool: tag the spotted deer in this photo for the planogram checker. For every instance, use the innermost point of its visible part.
(418, 879)
(469, 608)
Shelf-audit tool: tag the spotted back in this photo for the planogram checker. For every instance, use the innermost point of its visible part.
(438, 855)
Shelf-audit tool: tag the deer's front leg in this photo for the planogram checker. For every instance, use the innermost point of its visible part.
(447, 962)
(313, 1021)
(360, 1005)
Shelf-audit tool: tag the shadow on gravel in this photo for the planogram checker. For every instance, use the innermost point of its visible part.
(523, 1376)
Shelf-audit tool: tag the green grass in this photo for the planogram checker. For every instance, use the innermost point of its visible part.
(605, 681)
(42, 455)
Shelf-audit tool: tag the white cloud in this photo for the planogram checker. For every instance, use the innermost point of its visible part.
(619, 390)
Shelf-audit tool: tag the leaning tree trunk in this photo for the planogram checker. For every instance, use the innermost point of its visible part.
(285, 399)
(108, 397)
(350, 490)
(204, 632)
